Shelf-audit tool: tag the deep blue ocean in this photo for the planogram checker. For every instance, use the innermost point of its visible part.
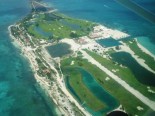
(112, 14)
(18, 95)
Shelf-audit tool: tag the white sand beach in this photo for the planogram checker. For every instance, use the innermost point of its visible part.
(125, 48)
(101, 31)
(67, 99)
(64, 102)
(144, 49)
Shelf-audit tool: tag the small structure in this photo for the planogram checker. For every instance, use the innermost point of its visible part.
(42, 42)
(46, 71)
(98, 28)
(94, 35)
(97, 32)
(118, 47)
(83, 40)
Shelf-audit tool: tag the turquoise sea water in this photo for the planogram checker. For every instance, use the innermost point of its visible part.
(18, 95)
(111, 14)
(145, 41)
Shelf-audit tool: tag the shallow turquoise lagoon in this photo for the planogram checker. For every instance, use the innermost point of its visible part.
(147, 43)
(97, 90)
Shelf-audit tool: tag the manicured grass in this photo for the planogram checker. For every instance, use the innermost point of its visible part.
(125, 98)
(60, 26)
(85, 95)
(34, 33)
(148, 59)
(124, 73)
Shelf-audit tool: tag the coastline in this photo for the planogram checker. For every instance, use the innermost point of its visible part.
(40, 85)
(140, 61)
(145, 50)
(45, 85)
(61, 83)
(52, 91)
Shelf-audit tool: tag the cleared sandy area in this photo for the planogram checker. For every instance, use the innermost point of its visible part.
(101, 31)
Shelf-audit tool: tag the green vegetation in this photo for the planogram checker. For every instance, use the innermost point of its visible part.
(57, 26)
(75, 80)
(148, 59)
(123, 73)
(43, 70)
(128, 101)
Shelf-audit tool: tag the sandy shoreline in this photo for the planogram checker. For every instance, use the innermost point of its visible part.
(145, 50)
(53, 91)
(61, 83)
(40, 83)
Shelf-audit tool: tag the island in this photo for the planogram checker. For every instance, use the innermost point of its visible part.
(84, 67)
